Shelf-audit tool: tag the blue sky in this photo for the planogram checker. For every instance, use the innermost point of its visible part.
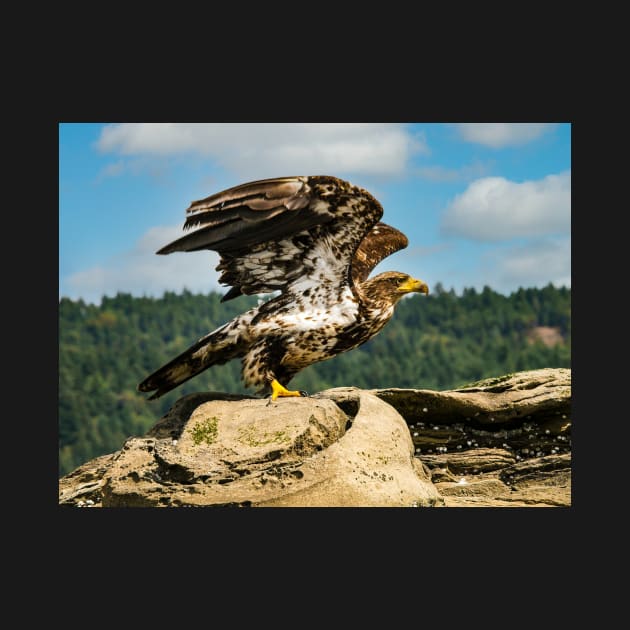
(481, 203)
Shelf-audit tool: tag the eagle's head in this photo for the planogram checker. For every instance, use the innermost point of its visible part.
(391, 286)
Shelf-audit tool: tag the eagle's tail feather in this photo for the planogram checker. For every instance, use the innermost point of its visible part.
(216, 348)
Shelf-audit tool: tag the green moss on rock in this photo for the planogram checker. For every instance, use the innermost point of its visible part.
(205, 431)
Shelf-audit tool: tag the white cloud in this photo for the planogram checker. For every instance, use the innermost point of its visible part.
(494, 208)
(506, 268)
(141, 272)
(260, 150)
(534, 265)
(499, 135)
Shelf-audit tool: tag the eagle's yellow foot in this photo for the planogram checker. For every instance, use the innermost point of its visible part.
(278, 390)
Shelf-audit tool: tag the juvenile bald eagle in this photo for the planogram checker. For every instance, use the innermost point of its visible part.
(315, 239)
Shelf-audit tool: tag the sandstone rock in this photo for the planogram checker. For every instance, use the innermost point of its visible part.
(498, 442)
(218, 450)
(537, 395)
(501, 442)
(85, 483)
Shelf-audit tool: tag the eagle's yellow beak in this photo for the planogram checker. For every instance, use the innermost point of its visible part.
(412, 285)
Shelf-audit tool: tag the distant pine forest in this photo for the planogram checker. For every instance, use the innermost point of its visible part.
(441, 341)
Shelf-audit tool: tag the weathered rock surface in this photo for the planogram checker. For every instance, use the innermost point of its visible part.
(342, 447)
(499, 442)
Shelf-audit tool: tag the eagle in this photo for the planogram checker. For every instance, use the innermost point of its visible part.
(315, 240)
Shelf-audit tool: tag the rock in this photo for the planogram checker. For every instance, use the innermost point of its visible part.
(538, 482)
(537, 395)
(342, 447)
(85, 483)
(499, 442)
(472, 461)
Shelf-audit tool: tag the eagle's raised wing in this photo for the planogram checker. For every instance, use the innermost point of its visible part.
(379, 243)
(272, 233)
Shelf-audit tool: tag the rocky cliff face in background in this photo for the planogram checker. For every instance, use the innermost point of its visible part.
(499, 442)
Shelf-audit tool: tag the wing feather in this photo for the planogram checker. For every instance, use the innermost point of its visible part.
(381, 241)
(247, 214)
(276, 233)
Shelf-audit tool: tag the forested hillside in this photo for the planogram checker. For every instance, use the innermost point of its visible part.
(440, 341)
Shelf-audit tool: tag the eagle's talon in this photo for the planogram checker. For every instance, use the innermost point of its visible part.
(304, 394)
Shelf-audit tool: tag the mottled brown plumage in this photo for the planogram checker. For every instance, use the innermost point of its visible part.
(315, 239)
